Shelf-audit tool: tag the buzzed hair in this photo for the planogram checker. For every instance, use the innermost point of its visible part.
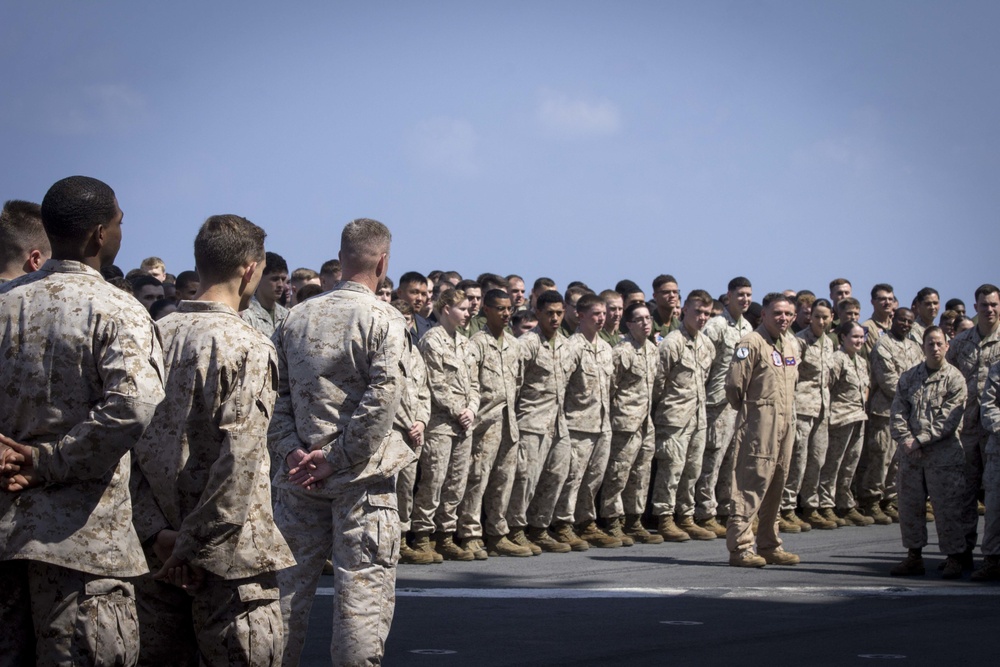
(901, 311)
(514, 276)
(547, 297)
(609, 294)
(588, 301)
(468, 284)
(21, 231)
(839, 281)
(662, 279)
(738, 282)
(304, 273)
(363, 242)
(543, 283)
(144, 280)
(412, 277)
(185, 278)
(494, 295)
(152, 263)
(491, 280)
(330, 267)
(224, 244)
(74, 206)
(699, 295)
(522, 316)
(848, 302)
(575, 290)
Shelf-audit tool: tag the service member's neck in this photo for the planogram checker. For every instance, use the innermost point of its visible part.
(225, 293)
(588, 333)
(666, 314)
(987, 329)
(498, 334)
(735, 311)
(265, 296)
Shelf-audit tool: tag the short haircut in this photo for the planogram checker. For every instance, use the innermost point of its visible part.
(451, 275)
(144, 280)
(927, 291)
(986, 289)
(948, 316)
(952, 304)
(609, 295)
(466, 285)
(412, 277)
(777, 297)
(21, 231)
(304, 274)
(449, 297)
(626, 287)
(882, 287)
(738, 282)
(543, 283)
(587, 301)
(491, 280)
(844, 328)
(575, 290)
(631, 308)
(307, 291)
(363, 242)
(547, 297)
(699, 295)
(275, 263)
(849, 302)
(224, 244)
(134, 273)
(112, 271)
(159, 305)
(386, 282)
(513, 276)
(836, 282)
(522, 316)
(435, 275)
(330, 267)
(185, 278)
(494, 295)
(403, 307)
(662, 279)
(932, 329)
(901, 311)
(74, 206)
(151, 263)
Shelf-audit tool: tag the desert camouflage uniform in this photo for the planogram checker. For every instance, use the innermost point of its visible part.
(812, 420)
(760, 386)
(543, 449)
(338, 391)
(497, 361)
(662, 329)
(717, 466)
(626, 482)
(206, 463)
(588, 416)
(414, 407)
(444, 461)
(257, 316)
(973, 356)
(82, 371)
(679, 416)
(849, 379)
(874, 332)
(928, 408)
(990, 423)
(876, 470)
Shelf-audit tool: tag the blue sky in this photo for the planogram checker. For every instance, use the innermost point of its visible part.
(791, 142)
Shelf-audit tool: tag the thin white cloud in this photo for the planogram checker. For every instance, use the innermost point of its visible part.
(444, 145)
(570, 116)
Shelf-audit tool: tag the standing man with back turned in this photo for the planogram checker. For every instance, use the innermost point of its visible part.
(85, 360)
(339, 390)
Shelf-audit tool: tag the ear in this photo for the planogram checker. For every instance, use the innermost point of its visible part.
(382, 267)
(35, 260)
(249, 271)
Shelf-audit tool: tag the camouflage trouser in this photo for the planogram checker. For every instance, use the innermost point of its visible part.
(405, 482)
(759, 475)
(873, 468)
(837, 473)
(974, 444)
(626, 483)
(225, 622)
(444, 468)
(359, 526)
(718, 449)
(991, 482)
(679, 454)
(532, 450)
(551, 480)
(944, 485)
(810, 441)
(588, 462)
(491, 475)
(52, 615)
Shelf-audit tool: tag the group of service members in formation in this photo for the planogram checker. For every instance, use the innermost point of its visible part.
(137, 524)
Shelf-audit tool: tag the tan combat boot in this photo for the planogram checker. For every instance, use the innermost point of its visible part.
(445, 545)
(875, 513)
(688, 525)
(596, 537)
(546, 542)
(499, 545)
(855, 518)
(713, 525)
(778, 556)
(476, 547)
(634, 529)
(518, 537)
(422, 543)
(828, 514)
(563, 532)
(670, 532)
(410, 556)
(787, 524)
(889, 509)
(746, 558)
(818, 521)
(616, 531)
(803, 526)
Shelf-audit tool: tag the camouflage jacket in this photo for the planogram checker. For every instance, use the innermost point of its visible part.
(889, 359)
(454, 383)
(632, 381)
(543, 390)
(849, 380)
(498, 365)
(679, 392)
(928, 408)
(588, 385)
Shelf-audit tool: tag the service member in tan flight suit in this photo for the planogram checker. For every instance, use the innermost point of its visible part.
(761, 388)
